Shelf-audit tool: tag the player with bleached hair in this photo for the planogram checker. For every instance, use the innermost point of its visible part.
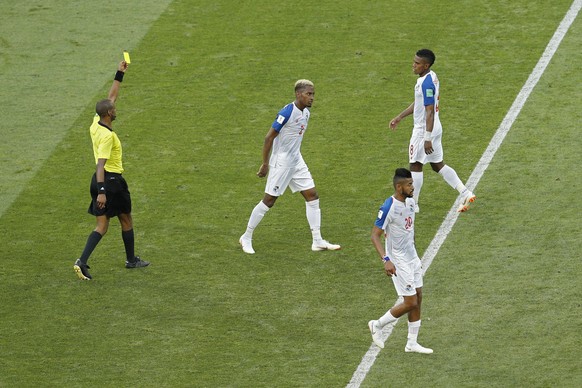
(285, 167)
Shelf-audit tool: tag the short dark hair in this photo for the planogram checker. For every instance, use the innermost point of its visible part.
(426, 54)
(400, 174)
(103, 107)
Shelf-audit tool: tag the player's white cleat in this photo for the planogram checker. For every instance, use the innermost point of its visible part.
(376, 331)
(416, 348)
(324, 245)
(467, 200)
(247, 245)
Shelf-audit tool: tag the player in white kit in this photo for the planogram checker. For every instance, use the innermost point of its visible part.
(396, 223)
(425, 142)
(283, 163)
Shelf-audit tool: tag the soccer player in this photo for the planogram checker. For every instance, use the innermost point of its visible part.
(109, 191)
(283, 163)
(396, 222)
(426, 140)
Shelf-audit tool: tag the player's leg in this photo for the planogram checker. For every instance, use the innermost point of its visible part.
(404, 285)
(417, 181)
(256, 217)
(416, 158)
(408, 304)
(414, 321)
(277, 182)
(450, 176)
(302, 181)
(313, 214)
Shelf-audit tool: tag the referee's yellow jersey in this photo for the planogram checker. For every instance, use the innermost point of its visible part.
(106, 145)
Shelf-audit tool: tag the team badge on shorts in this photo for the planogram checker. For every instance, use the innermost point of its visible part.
(408, 288)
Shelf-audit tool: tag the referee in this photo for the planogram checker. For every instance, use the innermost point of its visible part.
(109, 192)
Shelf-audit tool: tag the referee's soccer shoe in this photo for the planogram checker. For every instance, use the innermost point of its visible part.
(137, 263)
(82, 270)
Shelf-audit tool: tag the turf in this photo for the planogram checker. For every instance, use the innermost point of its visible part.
(203, 87)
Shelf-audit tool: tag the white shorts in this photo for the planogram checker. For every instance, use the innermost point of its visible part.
(298, 178)
(408, 277)
(416, 150)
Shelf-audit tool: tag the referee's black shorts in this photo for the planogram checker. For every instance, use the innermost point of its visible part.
(117, 193)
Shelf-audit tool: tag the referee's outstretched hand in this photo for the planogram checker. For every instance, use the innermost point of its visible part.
(122, 66)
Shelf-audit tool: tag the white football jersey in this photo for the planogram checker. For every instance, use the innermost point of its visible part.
(397, 220)
(291, 123)
(426, 92)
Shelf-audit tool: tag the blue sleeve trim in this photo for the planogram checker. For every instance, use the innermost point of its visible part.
(383, 213)
(282, 117)
(428, 90)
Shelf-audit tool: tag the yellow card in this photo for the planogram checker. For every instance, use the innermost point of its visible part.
(126, 57)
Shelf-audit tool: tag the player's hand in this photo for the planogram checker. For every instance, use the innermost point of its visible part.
(428, 147)
(122, 66)
(389, 268)
(101, 201)
(263, 170)
(394, 122)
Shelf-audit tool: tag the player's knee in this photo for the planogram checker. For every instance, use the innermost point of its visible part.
(436, 167)
(411, 302)
(269, 200)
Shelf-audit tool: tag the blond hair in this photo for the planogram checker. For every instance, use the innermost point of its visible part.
(302, 84)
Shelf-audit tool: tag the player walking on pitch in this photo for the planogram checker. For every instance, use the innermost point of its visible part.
(284, 164)
(426, 140)
(396, 222)
(109, 191)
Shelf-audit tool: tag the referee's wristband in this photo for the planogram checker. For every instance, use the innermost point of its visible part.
(119, 76)
(427, 136)
(101, 187)
(385, 259)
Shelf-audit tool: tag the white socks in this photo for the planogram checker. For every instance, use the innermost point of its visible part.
(417, 180)
(311, 210)
(451, 177)
(256, 216)
(314, 218)
(386, 319)
(413, 329)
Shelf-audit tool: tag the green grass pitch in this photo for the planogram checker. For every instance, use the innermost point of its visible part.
(502, 298)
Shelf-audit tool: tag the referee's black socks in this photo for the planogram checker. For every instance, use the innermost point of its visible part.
(129, 242)
(92, 242)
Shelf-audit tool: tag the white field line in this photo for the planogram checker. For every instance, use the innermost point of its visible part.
(451, 218)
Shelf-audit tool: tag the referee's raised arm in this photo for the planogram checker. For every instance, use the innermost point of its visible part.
(114, 91)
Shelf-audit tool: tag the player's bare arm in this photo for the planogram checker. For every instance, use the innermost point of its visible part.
(376, 237)
(429, 113)
(114, 91)
(406, 112)
(267, 145)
